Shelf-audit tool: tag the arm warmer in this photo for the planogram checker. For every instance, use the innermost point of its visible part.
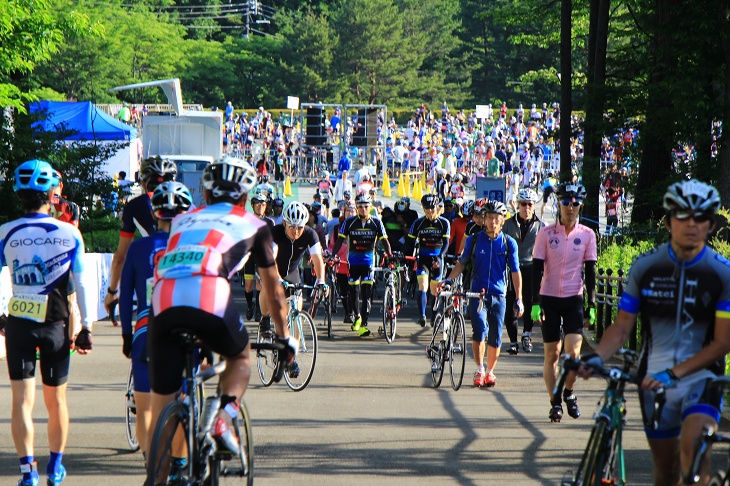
(590, 282)
(537, 268)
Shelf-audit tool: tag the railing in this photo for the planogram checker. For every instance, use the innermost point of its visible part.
(609, 287)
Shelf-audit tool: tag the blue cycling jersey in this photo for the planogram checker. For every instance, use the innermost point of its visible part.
(493, 260)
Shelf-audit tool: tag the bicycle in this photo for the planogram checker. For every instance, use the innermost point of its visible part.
(393, 295)
(703, 443)
(329, 301)
(179, 428)
(603, 459)
(130, 416)
(451, 346)
(301, 326)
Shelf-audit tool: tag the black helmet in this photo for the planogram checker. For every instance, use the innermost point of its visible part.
(570, 190)
(430, 201)
(155, 170)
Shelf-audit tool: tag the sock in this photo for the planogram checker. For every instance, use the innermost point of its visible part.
(228, 403)
(525, 333)
(54, 463)
(422, 302)
(179, 462)
(249, 299)
(26, 467)
(481, 369)
(567, 392)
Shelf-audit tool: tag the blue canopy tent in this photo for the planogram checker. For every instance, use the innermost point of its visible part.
(85, 119)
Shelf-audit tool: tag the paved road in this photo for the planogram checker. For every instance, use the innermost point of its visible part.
(369, 416)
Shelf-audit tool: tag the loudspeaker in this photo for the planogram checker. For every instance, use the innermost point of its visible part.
(366, 131)
(315, 127)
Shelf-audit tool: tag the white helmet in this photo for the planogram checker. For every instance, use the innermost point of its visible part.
(692, 195)
(230, 177)
(527, 195)
(295, 214)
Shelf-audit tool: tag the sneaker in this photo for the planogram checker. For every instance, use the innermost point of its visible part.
(556, 412)
(356, 324)
(422, 321)
(293, 370)
(225, 436)
(513, 349)
(177, 470)
(572, 403)
(249, 313)
(490, 380)
(349, 319)
(265, 324)
(479, 378)
(526, 344)
(364, 331)
(57, 478)
(27, 482)
(257, 315)
(435, 366)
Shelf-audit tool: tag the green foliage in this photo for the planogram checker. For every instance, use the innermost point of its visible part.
(100, 231)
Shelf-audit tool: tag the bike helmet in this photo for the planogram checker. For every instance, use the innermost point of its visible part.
(279, 202)
(229, 177)
(296, 214)
(468, 208)
(430, 201)
(527, 194)
(155, 170)
(406, 200)
(692, 195)
(347, 195)
(36, 175)
(572, 191)
(494, 207)
(259, 197)
(170, 199)
(363, 198)
(325, 175)
(264, 178)
(457, 178)
(480, 202)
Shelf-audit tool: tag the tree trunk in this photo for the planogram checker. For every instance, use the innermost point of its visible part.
(723, 181)
(566, 88)
(656, 168)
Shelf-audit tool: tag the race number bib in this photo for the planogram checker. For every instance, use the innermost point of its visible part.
(186, 259)
(150, 288)
(29, 306)
(610, 212)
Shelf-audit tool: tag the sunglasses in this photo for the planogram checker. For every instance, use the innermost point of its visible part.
(296, 228)
(527, 203)
(363, 205)
(698, 216)
(568, 203)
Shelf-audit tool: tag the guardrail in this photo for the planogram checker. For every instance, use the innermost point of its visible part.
(609, 287)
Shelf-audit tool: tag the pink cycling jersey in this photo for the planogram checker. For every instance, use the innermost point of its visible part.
(206, 247)
(564, 256)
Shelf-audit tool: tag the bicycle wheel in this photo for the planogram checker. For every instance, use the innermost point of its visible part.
(266, 359)
(590, 468)
(390, 315)
(328, 313)
(172, 424)
(302, 328)
(236, 466)
(457, 350)
(719, 479)
(437, 353)
(130, 416)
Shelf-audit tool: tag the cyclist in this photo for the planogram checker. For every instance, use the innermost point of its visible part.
(549, 186)
(205, 248)
(492, 255)
(682, 289)
(432, 234)
(523, 228)
(458, 228)
(45, 254)
(137, 216)
(561, 252)
(324, 189)
(278, 207)
(168, 200)
(362, 233)
(348, 211)
(259, 202)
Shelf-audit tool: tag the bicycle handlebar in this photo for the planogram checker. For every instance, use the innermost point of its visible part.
(708, 436)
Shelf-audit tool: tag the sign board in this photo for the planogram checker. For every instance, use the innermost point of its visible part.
(292, 103)
(482, 112)
(493, 188)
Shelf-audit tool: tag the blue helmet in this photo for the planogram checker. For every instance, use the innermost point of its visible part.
(36, 175)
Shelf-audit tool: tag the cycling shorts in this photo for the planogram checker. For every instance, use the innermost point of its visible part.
(23, 336)
(687, 398)
(226, 336)
(425, 267)
(249, 269)
(360, 274)
(569, 310)
(546, 194)
(140, 370)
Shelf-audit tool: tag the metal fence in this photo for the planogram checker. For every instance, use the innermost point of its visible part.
(609, 287)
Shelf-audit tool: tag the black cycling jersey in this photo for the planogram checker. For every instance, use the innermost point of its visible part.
(137, 215)
(362, 236)
(289, 253)
(433, 236)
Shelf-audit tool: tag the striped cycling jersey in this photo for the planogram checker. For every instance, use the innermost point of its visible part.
(206, 247)
(42, 254)
(678, 301)
(362, 237)
(432, 235)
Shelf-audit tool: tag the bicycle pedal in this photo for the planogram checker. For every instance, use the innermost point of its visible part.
(380, 331)
(457, 349)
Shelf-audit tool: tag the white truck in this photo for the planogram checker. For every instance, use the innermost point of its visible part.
(193, 139)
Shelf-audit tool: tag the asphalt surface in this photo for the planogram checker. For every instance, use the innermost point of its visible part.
(369, 416)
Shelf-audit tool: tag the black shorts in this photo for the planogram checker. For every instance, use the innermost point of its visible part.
(22, 337)
(249, 269)
(360, 275)
(569, 310)
(226, 336)
(425, 267)
(546, 194)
